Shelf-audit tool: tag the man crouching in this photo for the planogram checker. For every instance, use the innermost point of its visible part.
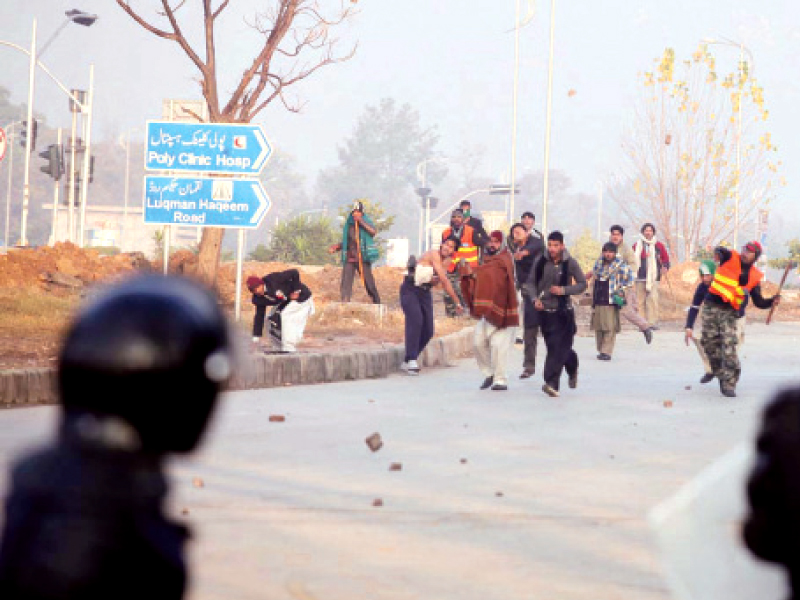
(292, 306)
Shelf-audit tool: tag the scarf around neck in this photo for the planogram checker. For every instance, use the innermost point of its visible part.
(652, 264)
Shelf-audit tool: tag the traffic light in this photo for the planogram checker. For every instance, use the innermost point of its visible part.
(23, 137)
(54, 155)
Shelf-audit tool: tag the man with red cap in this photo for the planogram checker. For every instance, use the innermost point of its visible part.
(491, 293)
(292, 306)
(735, 278)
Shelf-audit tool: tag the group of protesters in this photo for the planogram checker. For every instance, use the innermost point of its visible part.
(519, 285)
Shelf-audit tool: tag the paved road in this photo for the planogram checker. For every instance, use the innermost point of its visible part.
(286, 508)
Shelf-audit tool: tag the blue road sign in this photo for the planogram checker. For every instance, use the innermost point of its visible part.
(231, 149)
(204, 202)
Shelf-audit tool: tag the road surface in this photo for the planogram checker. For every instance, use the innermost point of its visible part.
(502, 495)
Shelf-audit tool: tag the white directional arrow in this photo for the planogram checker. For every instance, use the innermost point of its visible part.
(263, 204)
(266, 151)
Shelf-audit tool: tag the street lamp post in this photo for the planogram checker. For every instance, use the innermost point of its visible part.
(742, 49)
(11, 140)
(514, 113)
(599, 211)
(26, 187)
(73, 16)
(87, 159)
(425, 206)
(492, 190)
(127, 185)
(549, 118)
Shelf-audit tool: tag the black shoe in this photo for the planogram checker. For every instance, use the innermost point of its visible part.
(648, 335)
(729, 392)
(707, 378)
(527, 373)
(604, 357)
(499, 387)
(487, 383)
(573, 380)
(600, 356)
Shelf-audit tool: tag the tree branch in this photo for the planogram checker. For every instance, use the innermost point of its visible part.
(219, 10)
(151, 28)
(181, 40)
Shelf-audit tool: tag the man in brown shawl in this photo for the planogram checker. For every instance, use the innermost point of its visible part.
(490, 291)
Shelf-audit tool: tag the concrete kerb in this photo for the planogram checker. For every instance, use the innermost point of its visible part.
(304, 369)
(26, 387)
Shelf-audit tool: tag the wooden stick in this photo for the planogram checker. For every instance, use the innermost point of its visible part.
(780, 287)
(358, 248)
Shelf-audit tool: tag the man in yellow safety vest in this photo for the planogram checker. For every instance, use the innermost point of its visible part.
(467, 251)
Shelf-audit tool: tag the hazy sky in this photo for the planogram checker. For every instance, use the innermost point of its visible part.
(452, 59)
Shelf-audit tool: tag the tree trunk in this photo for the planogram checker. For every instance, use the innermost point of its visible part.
(208, 255)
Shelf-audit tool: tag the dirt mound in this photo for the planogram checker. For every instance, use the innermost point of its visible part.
(35, 267)
(68, 266)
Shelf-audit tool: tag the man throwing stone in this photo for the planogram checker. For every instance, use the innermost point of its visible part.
(416, 300)
(735, 275)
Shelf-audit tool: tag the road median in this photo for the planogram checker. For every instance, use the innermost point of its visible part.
(35, 386)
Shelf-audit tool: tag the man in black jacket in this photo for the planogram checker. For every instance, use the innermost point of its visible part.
(550, 286)
(526, 248)
(292, 304)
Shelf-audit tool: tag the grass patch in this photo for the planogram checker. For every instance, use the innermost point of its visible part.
(26, 311)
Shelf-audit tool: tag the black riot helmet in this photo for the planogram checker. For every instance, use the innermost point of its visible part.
(772, 527)
(154, 351)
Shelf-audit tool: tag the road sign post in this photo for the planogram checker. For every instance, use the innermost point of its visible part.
(3, 144)
(239, 267)
(220, 150)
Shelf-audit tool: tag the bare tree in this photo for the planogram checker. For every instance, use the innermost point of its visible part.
(681, 170)
(297, 42)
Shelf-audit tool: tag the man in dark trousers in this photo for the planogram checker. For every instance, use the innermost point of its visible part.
(292, 306)
(416, 301)
(526, 248)
(554, 278)
(138, 376)
(735, 277)
(359, 253)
